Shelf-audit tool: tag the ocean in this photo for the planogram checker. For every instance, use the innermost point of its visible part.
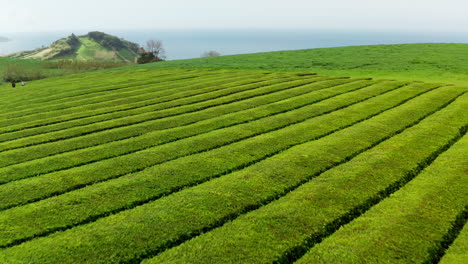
(186, 44)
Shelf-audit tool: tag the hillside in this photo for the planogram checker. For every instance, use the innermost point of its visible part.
(3, 39)
(232, 166)
(93, 46)
(425, 62)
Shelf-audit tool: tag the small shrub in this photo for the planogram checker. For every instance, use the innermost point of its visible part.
(147, 57)
(211, 53)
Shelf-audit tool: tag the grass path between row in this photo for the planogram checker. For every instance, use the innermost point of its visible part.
(457, 253)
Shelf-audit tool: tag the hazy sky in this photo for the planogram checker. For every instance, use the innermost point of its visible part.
(407, 15)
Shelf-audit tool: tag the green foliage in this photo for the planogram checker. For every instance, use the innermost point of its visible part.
(28, 68)
(77, 66)
(222, 166)
(147, 57)
(15, 72)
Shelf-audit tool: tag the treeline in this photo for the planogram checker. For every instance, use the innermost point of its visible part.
(83, 65)
(112, 42)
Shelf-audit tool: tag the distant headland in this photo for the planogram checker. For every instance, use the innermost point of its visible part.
(93, 46)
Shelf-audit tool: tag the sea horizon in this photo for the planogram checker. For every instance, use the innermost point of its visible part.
(187, 44)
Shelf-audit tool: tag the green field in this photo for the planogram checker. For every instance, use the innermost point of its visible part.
(249, 165)
(428, 62)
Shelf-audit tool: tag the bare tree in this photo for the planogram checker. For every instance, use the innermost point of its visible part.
(211, 53)
(156, 48)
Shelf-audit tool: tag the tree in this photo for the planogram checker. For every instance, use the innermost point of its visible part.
(153, 52)
(147, 57)
(211, 53)
(156, 48)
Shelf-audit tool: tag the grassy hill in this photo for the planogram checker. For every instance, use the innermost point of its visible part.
(232, 166)
(427, 62)
(93, 46)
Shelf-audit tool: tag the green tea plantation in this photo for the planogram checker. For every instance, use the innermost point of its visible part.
(232, 166)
